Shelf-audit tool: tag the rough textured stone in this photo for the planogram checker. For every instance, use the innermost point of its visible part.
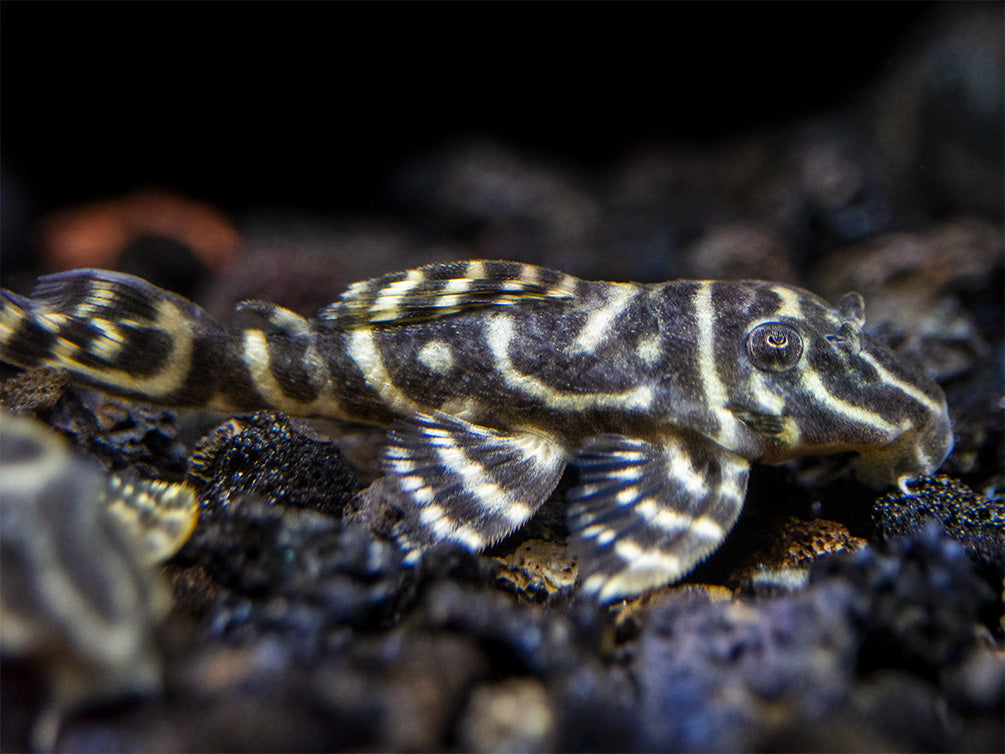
(976, 521)
(265, 455)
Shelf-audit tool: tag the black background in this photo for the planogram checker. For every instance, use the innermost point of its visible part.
(311, 106)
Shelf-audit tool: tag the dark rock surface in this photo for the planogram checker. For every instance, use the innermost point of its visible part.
(265, 455)
(119, 433)
(976, 521)
(834, 617)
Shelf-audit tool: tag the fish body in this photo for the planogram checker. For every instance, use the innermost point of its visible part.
(492, 376)
(80, 595)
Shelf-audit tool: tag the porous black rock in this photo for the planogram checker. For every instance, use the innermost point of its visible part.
(518, 638)
(292, 573)
(976, 521)
(265, 455)
(919, 602)
(715, 676)
(875, 629)
(118, 432)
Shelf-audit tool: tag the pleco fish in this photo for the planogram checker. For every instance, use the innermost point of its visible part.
(493, 375)
(80, 595)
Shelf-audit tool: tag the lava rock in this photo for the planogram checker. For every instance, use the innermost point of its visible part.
(874, 630)
(288, 572)
(118, 432)
(518, 638)
(918, 605)
(716, 675)
(977, 522)
(515, 715)
(795, 544)
(34, 391)
(538, 569)
(264, 455)
(397, 693)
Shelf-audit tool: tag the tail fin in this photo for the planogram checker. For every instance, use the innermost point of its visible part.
(115, 332)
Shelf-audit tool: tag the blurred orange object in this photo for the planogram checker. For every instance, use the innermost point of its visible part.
(94, 235)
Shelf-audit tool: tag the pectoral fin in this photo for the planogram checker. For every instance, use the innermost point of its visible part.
(644, 515)
(457, 481)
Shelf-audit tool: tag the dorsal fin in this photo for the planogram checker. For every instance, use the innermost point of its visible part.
(438, 290)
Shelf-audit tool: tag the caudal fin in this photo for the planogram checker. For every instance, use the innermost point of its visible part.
(116, 332)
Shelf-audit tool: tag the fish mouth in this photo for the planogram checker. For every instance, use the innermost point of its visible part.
(915, 453)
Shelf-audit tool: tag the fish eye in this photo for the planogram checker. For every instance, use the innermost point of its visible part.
(774, 346)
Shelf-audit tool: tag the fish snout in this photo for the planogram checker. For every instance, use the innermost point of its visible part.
(919, 451)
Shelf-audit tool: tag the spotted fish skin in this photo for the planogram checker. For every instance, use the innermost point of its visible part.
(493, 375)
